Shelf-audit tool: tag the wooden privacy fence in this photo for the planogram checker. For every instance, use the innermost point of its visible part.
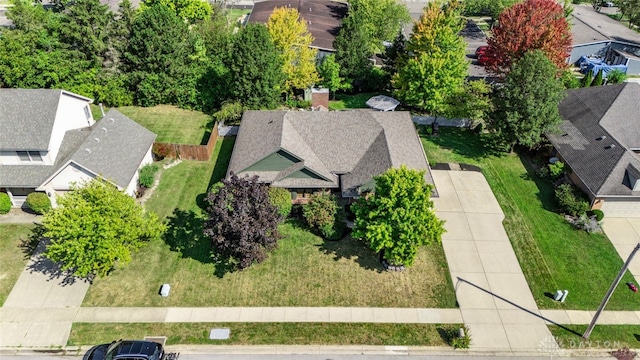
(189, 152)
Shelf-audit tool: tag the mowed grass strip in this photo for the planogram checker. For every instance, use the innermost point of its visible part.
(346, 101)
(304, 270)
(266, 333)
(603, 336)
(172, 124)
(184, 186)
(12, 256)
(553, 255)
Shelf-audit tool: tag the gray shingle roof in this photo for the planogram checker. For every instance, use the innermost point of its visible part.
(116, 154)
(601, 124)
(27, 117)
(31, 176)
(115, 148)
(358, 144)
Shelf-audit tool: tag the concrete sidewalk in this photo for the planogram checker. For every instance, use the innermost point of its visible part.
(41, 306)
(494, 297)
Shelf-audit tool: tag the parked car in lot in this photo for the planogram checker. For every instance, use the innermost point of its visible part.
(126, 350)
(607, 4)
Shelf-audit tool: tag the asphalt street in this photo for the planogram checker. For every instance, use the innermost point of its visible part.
(316, 357)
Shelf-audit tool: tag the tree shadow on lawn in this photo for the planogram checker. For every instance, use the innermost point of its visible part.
(545, 193)
(465, 142)
(185, 235)
(353, 250)
(219, 169)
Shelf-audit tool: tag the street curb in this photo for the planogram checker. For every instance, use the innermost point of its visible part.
(321, 349)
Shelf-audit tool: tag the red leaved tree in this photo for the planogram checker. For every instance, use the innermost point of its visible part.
(525, 26)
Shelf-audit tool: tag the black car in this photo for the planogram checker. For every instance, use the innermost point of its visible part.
(126, 350)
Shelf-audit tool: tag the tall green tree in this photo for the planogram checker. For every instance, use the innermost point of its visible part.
(473, 102)
(85, 28)
(398, 218)
(329, 71)
(158, 59)
(436, 66)
(353, 54)
(95, 228)
(256, 68)
(191, 11)
(527, 103)
(379, 20)
(292, 39)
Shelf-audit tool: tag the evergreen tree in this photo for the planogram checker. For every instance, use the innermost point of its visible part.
(256, 68)
(587, 79)
(598, 80)
(353, 54)
(85, 29)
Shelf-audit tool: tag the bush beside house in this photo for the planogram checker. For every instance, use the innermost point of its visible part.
(38, 202)
(281, 199)
(323, 213)
(5, 203)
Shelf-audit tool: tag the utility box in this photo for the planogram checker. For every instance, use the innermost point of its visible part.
(164, 290)
(558, 295)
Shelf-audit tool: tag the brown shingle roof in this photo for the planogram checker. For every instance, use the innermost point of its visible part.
(323, 17)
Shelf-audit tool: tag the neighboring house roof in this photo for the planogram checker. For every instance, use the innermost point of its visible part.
(116, 154)
(308, 149)
(596, 139)
(27, 117)
(113, 149)
(323, 17)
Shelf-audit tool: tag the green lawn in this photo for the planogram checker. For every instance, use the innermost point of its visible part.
(235, 14)
(172, 124)
(357, 101)
(603, 336)
(12, 255)
(266, 333)
(552, 254)
(304, 271)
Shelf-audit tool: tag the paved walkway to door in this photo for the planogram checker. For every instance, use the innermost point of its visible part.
(494, 297)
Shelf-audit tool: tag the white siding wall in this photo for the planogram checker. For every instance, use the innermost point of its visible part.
(70, 115)
(70, 174)
(133, 184)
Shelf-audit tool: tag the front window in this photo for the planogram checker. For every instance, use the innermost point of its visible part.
(87, 112)
(29, 156)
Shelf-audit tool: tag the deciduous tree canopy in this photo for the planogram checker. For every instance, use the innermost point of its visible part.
(527, 103)
(95, 228)
(398, 218)
(242, 221)
(292, 39)
(436, 65)
(529, 25)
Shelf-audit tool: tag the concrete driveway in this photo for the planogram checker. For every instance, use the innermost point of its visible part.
(492, 292)
(624, 234)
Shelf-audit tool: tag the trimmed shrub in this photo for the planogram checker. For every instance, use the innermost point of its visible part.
(452, 333)
(5, 203)
(599, 214)
(147, 175)
(323, 213)
(281, 199)
(569, 80)
(616, 76)
(160, 150)
(230, 113)
(598, 80)
(587, 79)
(571, 200)
(556, 169)
(38, 202)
